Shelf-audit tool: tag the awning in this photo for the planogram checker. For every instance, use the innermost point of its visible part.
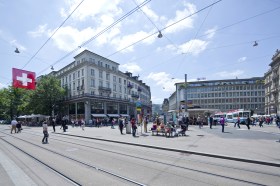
(113, 115)
(124, 115)
(99, 115)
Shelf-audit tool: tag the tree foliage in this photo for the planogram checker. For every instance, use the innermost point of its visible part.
(13, 102)
(47, 96)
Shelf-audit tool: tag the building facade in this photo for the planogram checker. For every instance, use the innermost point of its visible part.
(96, 88)
(272, 102)
(225, 95)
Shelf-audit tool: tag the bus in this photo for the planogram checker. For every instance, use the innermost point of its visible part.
(242, 114)
(217, 116)
(229, 117)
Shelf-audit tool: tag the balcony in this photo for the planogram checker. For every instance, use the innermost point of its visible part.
(104, 89)
(134, 95)
(80, 88)
(129, 86)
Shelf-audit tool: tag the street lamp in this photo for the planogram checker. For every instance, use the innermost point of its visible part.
(186, 96)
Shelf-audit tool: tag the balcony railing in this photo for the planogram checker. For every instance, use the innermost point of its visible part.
(134, 95)
(129, 86)
(104, 89)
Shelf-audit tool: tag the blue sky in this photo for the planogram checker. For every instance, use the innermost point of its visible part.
(215, 43)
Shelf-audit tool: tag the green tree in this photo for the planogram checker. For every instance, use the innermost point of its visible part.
(13, 102)
(47, 96)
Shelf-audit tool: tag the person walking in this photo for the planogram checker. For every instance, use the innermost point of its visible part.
(211, 121)
(18, 126)
(260, 122)
(199, 121)
(52, 122)
(145, 124)
(45, 132)
(14, 126)
(83, 124)
(113, 123)
(237, 122)
(121, 125)
(248, 123)
(222, 122)
(134, 127)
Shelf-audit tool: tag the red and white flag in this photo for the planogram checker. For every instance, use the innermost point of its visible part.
(23, 79)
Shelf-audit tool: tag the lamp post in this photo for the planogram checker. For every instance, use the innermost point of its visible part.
(186, 96)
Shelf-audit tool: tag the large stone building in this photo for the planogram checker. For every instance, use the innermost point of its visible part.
(272, 102)
(224, 95)
(96, 88)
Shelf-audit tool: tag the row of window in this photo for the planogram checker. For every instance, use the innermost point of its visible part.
(226, 94)
(229, 100)
(225, 88)
(235, 106)
(216, 83)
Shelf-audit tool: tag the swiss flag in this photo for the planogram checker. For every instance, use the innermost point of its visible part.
(23, 79)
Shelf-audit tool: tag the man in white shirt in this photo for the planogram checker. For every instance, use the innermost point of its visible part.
(45, 132)
(13, 124)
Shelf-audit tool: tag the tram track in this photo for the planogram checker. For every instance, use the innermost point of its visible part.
(145, 159)
(150, 160)
(93, 167)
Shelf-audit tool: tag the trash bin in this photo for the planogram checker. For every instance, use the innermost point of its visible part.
(128, 128)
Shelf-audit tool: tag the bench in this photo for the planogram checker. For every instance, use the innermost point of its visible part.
(162, 131)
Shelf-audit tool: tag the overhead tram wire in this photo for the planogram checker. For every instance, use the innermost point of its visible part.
(190, 46)
(101, 32)
(156, 27)
(233, 24)
(243, 20)
(164, 28)
(52, 35)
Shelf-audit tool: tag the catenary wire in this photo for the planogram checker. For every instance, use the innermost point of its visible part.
(164, 28)
(52, 35)
(100, 33)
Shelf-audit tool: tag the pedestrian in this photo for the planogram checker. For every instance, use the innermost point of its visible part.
(83, 123)
(45, 132)
(237, 122)
(52, 121)
(211, 121)
(18, 126)
(248, 122)
(14, 125)
(260, 122)
(134, 127)
(113, 123)
(145, 124)
(222, 122)
(199, 121)
(121, 125)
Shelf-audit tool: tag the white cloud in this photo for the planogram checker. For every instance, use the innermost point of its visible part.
(210, 33)
(186, 23)
(242, 59)
(131, 67)
(193, 47)
(124, 41)
(91, 9)
(39, 31)
(164, 80)
(157, 100)
(227, 74)
(69, 38)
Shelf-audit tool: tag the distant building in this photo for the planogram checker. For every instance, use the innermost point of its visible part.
(96, 88)
(223, 95)
(157, 110)
(272, 102)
